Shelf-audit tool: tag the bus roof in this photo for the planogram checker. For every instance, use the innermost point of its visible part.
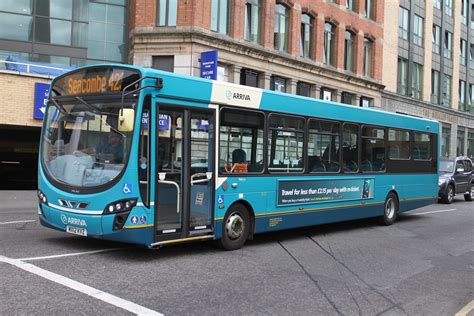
(179, 88)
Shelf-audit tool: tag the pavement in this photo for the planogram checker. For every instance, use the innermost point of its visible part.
(421, 265)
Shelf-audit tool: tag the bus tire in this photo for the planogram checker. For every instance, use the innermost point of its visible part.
(391, 208)
(470, 195)
(235, 227)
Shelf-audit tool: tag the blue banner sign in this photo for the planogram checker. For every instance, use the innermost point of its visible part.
(292, 192)
(41, 98)
(209, 65)
(145, 118)
(163, 122)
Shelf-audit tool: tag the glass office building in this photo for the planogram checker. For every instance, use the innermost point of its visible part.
(64, 32)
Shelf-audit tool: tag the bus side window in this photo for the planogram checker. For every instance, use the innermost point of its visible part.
(241, 141)
(373, 149)
(350, 148)
(144, 152)
(323, 146)
(286, 143)
(422, 146)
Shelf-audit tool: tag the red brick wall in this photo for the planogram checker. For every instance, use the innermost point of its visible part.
(197, 13)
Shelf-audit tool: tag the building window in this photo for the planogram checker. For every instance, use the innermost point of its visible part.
(446, 90)
(402, 80)
(463, 52)
(403, 23)
(435, 86)
(445, 141)
(106, 37)
(417, 81)
(436, 39)
(460, 142)
(282, 18)
(278, 84)
(306, 35)
(418, 30)
(303, 88)
(249, 78)
(329, 43)
(448, 44)
(470, 101)
(167, 12)
(349, 51)
(369, 9)
(165, 63)
(471, 56)
(367, 58)
(470, 144)
(326, 94)
(437, 4)
(252, 20)
(464, 4)
(448, 7)
(462, 95)
(366, 102)
(472, 16)
(347, 98)
(220, 16)
(351, 5)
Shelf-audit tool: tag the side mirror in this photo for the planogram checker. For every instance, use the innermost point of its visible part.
(460, 170)
(126, 117)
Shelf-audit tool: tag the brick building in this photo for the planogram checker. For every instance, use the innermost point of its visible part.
(323, 49)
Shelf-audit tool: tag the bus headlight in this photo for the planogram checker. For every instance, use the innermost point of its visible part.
(42, 197)
(120, 206)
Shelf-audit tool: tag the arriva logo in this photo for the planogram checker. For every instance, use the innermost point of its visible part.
(73, 221)
(236, 96)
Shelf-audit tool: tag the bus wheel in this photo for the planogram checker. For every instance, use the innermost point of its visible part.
(236, 227)
(469, 196)
(390, 209)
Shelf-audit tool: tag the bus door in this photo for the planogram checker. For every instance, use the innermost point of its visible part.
(184, 165)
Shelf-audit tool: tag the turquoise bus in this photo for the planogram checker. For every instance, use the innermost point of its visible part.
(154, 158)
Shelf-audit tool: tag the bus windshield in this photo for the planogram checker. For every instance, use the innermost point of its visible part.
(85, 144)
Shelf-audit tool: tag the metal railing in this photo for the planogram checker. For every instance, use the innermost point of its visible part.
(29, 66)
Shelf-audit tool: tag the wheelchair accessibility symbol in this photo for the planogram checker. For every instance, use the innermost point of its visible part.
(220, 199)
(127, 188)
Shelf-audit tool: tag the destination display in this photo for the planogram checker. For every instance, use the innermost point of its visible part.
(291, 192)
(95, 81)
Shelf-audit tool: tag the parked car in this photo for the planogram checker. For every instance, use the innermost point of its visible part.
(455, 177)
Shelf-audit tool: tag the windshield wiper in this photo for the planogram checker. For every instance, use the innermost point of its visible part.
(58, 106)
(96, 110)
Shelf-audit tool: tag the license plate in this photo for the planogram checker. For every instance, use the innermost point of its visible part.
(76, 230)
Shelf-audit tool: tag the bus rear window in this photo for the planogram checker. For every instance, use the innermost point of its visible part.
(422, 146)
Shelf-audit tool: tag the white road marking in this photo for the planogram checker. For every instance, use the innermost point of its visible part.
(466, 309)
(432, 212)
(17, 222)
(77, 286)
(69, 254)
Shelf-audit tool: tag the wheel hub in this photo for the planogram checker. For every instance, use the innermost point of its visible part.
(390, 208)
(234, 226)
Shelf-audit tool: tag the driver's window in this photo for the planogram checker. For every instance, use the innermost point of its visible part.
(241, 141)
